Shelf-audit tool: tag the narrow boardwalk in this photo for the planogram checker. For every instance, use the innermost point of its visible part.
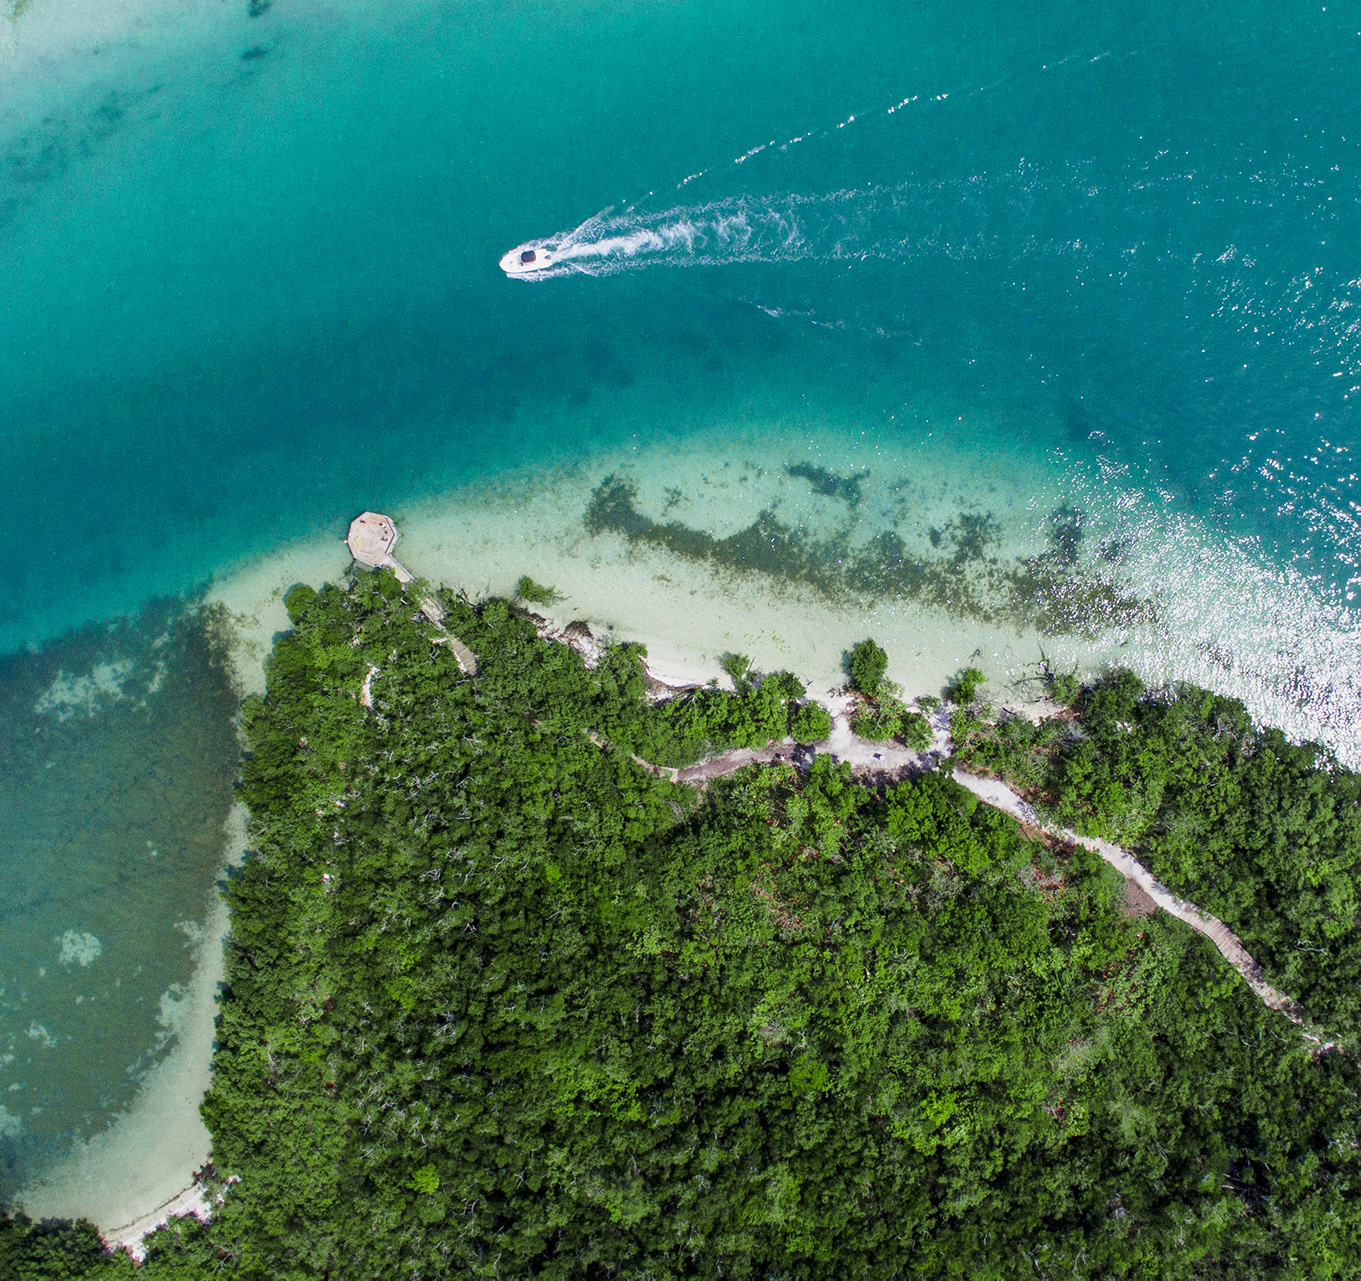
(371, 539)
(466, 658)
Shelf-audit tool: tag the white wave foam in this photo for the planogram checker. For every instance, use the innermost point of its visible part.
(1229, 617)
(958, 219)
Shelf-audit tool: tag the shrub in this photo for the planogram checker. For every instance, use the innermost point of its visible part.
(738, 668)
(298, 601)
(964, 688)
(1065, 688)
(915, 731)
(963, 726)
(536, 593)
(785, 684)
(809, 722)
(425, 1180)
(878, 724)
(867, 664)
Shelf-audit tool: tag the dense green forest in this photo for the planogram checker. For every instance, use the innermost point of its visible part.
(1261, 832)
(504, 1003)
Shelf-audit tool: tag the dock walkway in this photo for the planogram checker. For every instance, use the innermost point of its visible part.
(371, 539)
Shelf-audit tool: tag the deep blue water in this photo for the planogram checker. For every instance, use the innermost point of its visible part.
(248, 284)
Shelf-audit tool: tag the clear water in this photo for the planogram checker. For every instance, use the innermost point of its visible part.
(248, 285)
(117, 750)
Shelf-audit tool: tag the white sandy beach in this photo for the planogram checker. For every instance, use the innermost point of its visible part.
(484, 538)
(1225, 618)
(126, 1178)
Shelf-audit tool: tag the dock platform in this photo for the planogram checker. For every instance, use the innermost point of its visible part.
(371, 539)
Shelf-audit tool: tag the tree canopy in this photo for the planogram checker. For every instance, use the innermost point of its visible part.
(502, 1002)
(867, 664)
(1262, 832)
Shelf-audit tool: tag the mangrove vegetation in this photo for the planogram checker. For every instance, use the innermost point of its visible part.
(504, 1002)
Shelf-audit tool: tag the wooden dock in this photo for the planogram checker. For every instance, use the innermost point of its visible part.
(371, 539)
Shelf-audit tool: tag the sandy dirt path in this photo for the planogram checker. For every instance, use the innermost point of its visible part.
(866, 757)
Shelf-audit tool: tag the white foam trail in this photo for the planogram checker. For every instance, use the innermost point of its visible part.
(964, 219)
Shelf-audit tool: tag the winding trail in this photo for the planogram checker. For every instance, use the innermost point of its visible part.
(372, 537)
(995, 792)
(893, 759)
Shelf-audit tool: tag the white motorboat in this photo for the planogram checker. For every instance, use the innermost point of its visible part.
(524, 260)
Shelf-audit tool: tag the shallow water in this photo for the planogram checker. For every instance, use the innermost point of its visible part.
(1087, 270)
(117, 751)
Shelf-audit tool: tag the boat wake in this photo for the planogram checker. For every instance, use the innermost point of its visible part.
(975, 217)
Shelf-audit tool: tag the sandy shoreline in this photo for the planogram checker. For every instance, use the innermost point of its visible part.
(685, 637)
(127, 1178)
(1222, 617)
(689, 612)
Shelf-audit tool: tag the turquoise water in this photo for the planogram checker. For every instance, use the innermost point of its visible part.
(248, 285)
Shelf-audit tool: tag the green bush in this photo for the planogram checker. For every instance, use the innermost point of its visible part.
(915, 731)
(964, 726)
(298, 601)
(1063, 688)
(809, 723)
(785, 684)
(527, 589)
(964, 688)
(425, 1181)
(889, 719)
(737, 667)
(867, 664)
(877, 723)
